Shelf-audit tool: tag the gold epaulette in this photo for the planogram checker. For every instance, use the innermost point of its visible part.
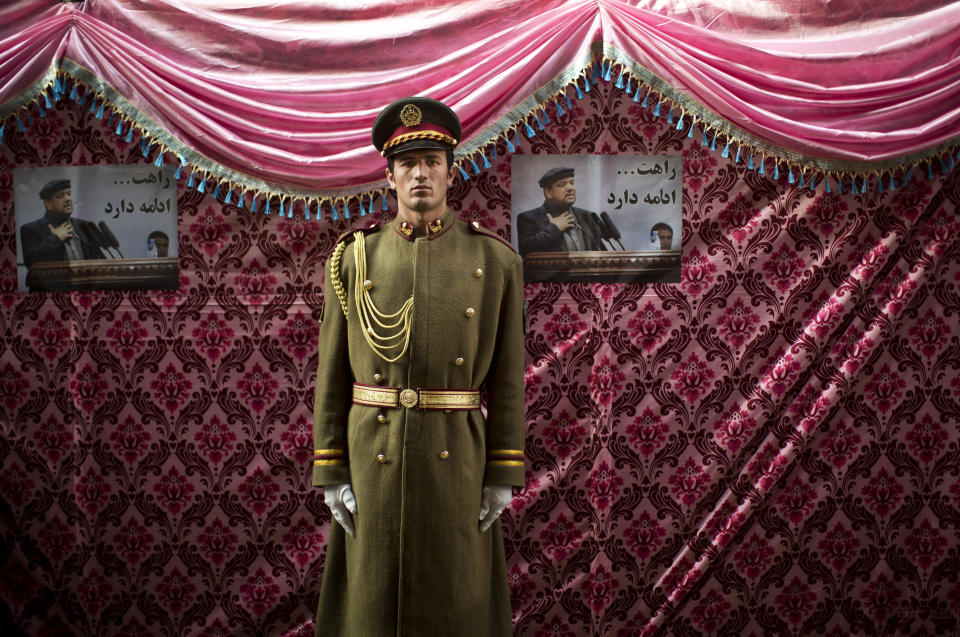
(335, 264)
(477, 228)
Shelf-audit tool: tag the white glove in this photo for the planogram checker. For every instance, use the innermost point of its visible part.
(340, 499)
(493, 501)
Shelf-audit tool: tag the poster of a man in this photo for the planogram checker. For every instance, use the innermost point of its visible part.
(57, 235)
(558, 226)
(102, 227)
(597, 218)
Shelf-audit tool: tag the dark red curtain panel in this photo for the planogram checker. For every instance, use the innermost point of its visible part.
(769, 447)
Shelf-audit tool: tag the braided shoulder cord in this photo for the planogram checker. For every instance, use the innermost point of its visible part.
(335, 276)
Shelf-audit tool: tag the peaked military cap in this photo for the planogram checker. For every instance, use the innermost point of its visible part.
(52, 187)
(415, 122)
(554, 175)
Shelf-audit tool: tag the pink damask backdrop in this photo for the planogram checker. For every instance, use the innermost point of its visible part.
(769, 447)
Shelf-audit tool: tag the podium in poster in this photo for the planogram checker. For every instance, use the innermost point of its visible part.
(104, 274)
(645, 266)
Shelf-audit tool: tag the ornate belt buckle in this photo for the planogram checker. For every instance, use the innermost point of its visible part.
(409, 398)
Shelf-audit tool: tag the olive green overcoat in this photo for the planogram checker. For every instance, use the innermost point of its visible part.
(419, 565)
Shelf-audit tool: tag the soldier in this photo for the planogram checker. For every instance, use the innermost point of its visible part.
(421, 315)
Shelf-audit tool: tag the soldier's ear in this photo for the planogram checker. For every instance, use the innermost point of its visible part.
(390, 180)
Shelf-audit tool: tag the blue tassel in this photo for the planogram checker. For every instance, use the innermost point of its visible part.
(42, 112)
(510, 146)
(333, 211)
(463, 172)
(476, 169)
(203, 185)
(951, 164)
(763, 164)
(109, 121)
(93, 106)
(290, 210)
(636, 95)
(800, 185)
(369, 210)
(670, 116)
(619, 83)
(130, 133)
(2, 126)
(47, 99)
(930, 170)
(812, 182)
(282, 211)
(713, 144)
(595, 74)
(879, 183)
(493, 155)
(306, 209)
(539, 123)
(569, 103)
(83, 98)
(840, 185)
(159, 162)
(20, 126)
(486, 164)
(346, 208)
(737, 160)
(726, 153)
(243, 194)
(646, 99)
(190, 181)
(603, 71)
(826, 183)
(100, 110)
(267, 209)
(579, 92)
(790, 178)
(530, 132)
(586, 84)
(943, 165)
(143, 147)
(180, 167)
(253, 203)
(120, 127)
(628, 90)
(73, 93)
(559, 108)
(908, 176)
(776, 171)
(893, 185)
(705, 141)
(690, 132)
(606, 76)
(229, 197)
(383, 203)
(656, 110)
(680, 123)
(750, 163)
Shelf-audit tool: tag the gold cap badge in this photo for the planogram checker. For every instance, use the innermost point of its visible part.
(410, 115)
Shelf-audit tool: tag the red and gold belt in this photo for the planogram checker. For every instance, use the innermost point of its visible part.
(393, 397)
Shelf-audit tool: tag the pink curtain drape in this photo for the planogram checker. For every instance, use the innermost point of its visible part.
(279, 96)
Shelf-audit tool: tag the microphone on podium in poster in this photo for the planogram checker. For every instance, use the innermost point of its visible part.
(100, 241)
(590, 221)
(614, 232)
(111, 239)
(601, 230)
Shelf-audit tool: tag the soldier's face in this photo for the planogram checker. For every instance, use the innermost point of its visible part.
(421, 178)
(61, 202)
(561, 193)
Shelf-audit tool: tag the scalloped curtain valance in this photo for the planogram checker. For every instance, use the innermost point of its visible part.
(279, 97)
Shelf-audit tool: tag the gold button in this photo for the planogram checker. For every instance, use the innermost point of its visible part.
(475, 224)
(478, 273)
(378, 378)
(381, 419)
(382, 459)
(368, 284)
(444, 454)
(470, 312)
(458, 362)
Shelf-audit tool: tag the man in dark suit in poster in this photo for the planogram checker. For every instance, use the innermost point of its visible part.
(56, 236)
(556, 226)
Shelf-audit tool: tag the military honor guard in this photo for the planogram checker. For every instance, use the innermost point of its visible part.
(423, 323)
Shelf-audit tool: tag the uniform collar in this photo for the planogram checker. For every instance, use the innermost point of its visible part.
(434, 229)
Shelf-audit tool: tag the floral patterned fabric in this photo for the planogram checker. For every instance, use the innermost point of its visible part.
(768, 447)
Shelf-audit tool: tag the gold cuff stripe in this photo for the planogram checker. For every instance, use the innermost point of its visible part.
(322, 463)
(506, 463)
(505, 452)
(323, 452)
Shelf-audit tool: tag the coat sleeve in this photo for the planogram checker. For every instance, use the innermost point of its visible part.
(39, 245)
(332, 398)
(533, 238)
(505, 392)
